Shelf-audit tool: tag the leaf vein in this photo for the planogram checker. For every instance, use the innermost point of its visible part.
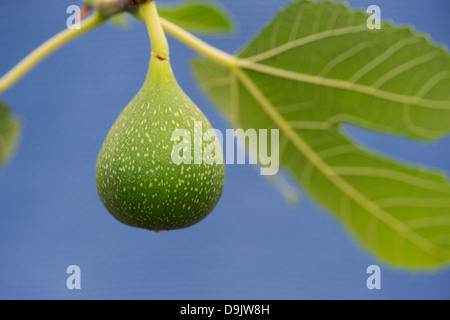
(405, 67)
(382, 58)
(305, 40)
(341, 84)
(392, 175)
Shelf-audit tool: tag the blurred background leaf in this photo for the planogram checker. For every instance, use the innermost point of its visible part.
(9, 134)
(198, 16)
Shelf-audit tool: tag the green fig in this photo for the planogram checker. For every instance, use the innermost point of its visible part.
(136, 178)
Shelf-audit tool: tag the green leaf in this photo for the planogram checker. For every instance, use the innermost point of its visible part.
(9, 134)
(317, 66)
(120, 20)
(200, 17)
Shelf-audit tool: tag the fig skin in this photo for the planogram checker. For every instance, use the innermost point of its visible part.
(136, 179)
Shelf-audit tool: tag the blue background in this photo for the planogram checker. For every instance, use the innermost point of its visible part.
(254, 245)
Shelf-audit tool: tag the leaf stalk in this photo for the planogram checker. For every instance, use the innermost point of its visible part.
(47, 48)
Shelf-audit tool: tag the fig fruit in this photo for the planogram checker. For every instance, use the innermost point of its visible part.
(136, 178)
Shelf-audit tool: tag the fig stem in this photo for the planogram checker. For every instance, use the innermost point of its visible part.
(195, 43)
(47, 48)
(160, 47)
